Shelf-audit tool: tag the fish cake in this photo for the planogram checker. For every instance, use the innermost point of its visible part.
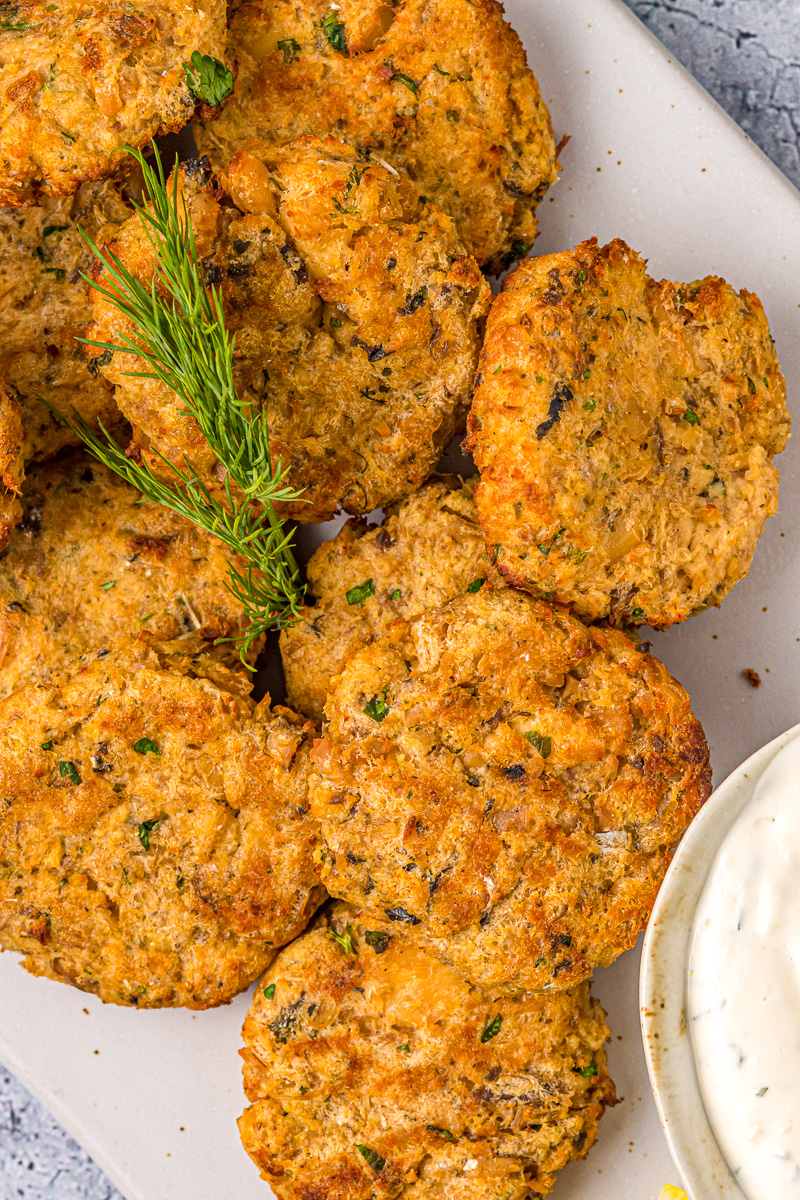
(372, 1069)
(441, 88)
(82, 80)
(44, 309)
(12, 464)
(357, 318)
(624, 430)
(92, 563)
(154, 843)
(428, 550)
(508, 786)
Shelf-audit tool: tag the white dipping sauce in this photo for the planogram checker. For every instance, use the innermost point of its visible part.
(744, 987)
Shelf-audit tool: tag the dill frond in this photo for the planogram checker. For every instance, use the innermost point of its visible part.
(183, 341)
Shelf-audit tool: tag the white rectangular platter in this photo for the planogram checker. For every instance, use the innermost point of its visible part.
(154, 1096)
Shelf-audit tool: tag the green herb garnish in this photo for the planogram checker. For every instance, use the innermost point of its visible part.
(691, 417)
(269, 990)
(179, 333)
(146, 746)
(344, 941)
(108, 586)
(68, 770)
(590, 1071)
(475, 586)
(378, 941)
(145, 829)
(290, 49)
(371, 1157)
(47, 745)
(404, 79)
(208, 79)
(491, 1028)
(361, 592)
(335, 32)
(445, 1133)
(543, 744)
(377, 708)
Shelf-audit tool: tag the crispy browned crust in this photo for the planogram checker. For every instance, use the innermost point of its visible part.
(439, 87)
(508, 785)
(624, 430)
(92, 564)
(368, 1041)
(357, 318)
(12, 464)
(151, 877)
(82, 80)
(428, 550)
(44, 308)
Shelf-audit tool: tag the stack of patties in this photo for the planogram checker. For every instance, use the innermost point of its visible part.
(489, 784)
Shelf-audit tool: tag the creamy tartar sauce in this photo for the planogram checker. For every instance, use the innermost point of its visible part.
(744, 988)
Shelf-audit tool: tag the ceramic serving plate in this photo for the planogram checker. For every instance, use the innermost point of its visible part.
(154, 1096)
(665, 961)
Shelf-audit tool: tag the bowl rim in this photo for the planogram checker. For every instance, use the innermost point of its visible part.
(664, 977)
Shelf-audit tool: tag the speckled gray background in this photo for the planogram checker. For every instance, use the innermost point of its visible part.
(747, 53)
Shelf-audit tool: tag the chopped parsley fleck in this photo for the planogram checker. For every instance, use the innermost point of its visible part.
(71, 137)
(47, 745)
(589, 406)
(581, 276)
(269, 990)
(491, 1028)
(335, 323)
(145, 829)
(180, 884)
(452, 114)
(405, 1046)
(404, 79)
(277, 183)
(586, 373)
(396, 594)
(147, 618)
(518, 250)
(750, 385)
(377, 708)
(361, 592)
(108, 586)
(638, 614)
(48, 229)
(691, 417)
(475, 586)
(439, 70)
(543, 744)
(344, 941)
(146, 746)
(208, 79)
(762, 1091)
(290, 49)
(590, 1071)
(378, 941)
(335, 32)
(445, 1133)
(68, 770)
(371, 1157)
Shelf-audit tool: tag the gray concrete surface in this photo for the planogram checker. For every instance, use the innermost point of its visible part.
(747, 53)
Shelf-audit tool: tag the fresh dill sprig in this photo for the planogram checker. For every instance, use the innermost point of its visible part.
(182, 339)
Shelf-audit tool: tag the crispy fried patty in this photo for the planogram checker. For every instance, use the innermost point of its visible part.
(91, 563)
(439, 87)
(154, 847)
(507, 785)
(81, 80)
(357, 318)
(624, 430)
(373, 1070)
(44, 308)
(12, 464)
(428, 550)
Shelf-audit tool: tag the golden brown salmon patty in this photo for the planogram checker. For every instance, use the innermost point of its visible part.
(154, 843)
(357, 317)
(81, 80)
(428, 550)
(439, 87)
(508, 785)
(624, 430)
(92, 563)
(12, 464)
(44, 308)
(372, 1069)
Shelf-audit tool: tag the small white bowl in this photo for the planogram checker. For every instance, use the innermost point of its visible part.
(662, 985)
